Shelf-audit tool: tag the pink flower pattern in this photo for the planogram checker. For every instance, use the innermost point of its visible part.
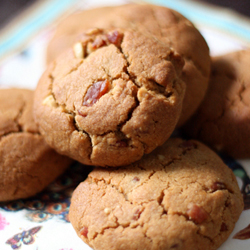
(3, 222)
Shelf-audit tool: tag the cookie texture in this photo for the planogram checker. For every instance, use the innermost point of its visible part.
(223, 120)
(114, 96)
(27, 163)
(164, 24)
(181, 196)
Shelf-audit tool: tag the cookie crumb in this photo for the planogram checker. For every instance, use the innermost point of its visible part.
(107, 210)
(50, 101)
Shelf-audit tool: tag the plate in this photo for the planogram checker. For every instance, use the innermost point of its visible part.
(41, 223)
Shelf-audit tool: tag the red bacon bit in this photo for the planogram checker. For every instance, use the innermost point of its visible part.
(218, 186)
(95, 92)
(81, 113)
(100, 41)
(115, 37)
(196, 213)
(137, 214)
(223, 227)
(136, 178)
(84, 232)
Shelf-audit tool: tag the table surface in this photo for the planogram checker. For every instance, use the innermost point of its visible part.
(10, 8)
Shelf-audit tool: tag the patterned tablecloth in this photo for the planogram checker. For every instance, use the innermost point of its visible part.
(41, 222)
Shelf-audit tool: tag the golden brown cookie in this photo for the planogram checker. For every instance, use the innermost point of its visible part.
(181, 196)
(114, 96)
(165, 24)
(223, 120)
(27, 163)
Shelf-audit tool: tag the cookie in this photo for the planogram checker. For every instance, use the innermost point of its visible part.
(27, 163)
(223, 120)
(114, 96)
(181, 196)
(164, 24)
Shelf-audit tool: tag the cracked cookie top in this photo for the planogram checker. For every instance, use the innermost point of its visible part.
(181, 196)
(115, 95)
(165, 24)
(223, 120)
(27, 163)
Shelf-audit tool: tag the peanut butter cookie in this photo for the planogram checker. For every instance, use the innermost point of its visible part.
(164, 24)
(181, 196)
(114, 96)
(223, 120)
(27, 163)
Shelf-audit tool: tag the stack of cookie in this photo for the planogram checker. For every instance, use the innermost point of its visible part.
(119, 82)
